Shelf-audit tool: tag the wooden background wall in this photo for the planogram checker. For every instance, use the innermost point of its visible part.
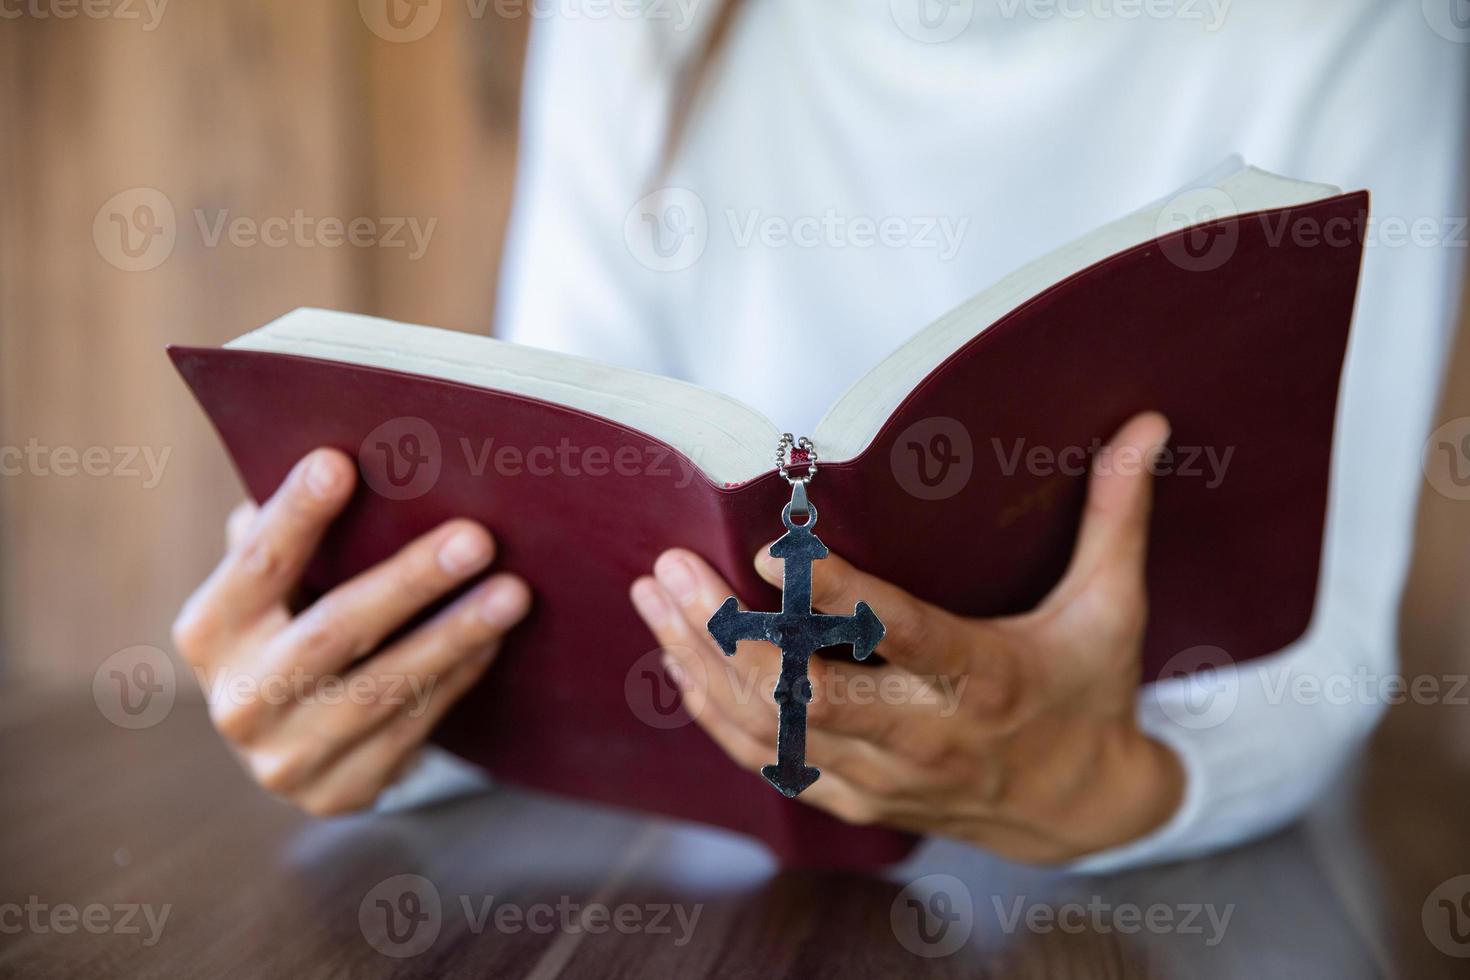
(263, 108)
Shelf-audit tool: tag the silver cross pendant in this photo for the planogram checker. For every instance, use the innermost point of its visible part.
(799, 633)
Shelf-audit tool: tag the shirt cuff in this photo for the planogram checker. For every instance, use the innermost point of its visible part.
(1173, 836)
(436, 776)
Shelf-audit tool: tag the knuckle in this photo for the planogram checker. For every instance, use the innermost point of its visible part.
(820, 710)
(379, 709)
(239, 522)
(912, 627)
(853, 809)
(237, 720)
(759, 724)
(262, 558)
(828, 585)
(928, 751)
(194, 632)
(416, 577)
(322, 636)
(402, 734)
(994, 698)
(280, 773)
(872, 780)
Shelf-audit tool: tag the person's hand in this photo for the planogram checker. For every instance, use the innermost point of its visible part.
(1017, 734)
(320, 711)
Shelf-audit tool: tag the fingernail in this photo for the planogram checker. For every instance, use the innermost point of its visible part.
(501, 605)
(678, 578)
(467, 551)
(650, 603)
(323, 476)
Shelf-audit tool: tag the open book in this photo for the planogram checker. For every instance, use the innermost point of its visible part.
(956, 468)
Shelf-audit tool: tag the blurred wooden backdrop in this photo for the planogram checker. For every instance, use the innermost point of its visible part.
(263, 108)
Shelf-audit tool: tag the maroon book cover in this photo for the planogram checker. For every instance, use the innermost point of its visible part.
(969, 497)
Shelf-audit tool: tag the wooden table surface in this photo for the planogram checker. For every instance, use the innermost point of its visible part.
(104, 827)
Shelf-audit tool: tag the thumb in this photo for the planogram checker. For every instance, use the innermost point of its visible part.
(1112, 542)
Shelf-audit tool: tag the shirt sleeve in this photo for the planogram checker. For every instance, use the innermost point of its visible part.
(1260, 740)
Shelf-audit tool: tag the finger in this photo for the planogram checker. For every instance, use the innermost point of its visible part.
(677, 614)
(352, 619)
(336, 712)
(238, 524)
(358, 777)
(1112, 543)
(919, 637)
(833, 792)
(845, 698)
(257, 574)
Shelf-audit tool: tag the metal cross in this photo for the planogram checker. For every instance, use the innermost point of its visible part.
(798, 632)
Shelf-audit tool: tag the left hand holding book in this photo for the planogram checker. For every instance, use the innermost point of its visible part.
(336, 752)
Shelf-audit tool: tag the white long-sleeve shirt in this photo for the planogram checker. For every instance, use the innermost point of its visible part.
(994, 131)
